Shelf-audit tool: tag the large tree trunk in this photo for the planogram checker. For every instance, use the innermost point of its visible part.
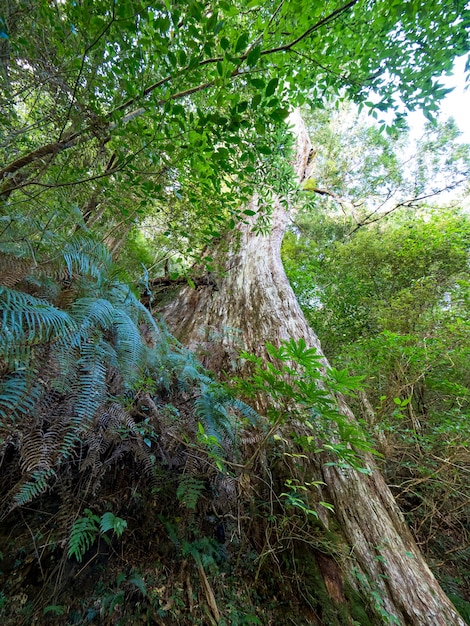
(253, 303)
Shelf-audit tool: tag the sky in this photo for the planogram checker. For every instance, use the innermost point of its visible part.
(456, 104)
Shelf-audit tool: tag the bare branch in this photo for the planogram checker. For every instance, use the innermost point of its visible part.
(405, 203)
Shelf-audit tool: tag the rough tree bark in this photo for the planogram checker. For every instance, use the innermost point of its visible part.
(253, 303)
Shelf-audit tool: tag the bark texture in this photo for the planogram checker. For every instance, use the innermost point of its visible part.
(253, 303)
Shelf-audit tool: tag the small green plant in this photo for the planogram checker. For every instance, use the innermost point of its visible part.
(55, 609)
(212, 443)
(86, 529)
(189, 490)
(301, 389)
(83, 535)
(297, 493)
(109, 521)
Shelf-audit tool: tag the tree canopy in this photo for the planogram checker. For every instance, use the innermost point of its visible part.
(112, 111)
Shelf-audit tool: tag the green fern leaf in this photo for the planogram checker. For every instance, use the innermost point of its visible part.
(83, 535)
(18, 394)
(84, 256)
(29, 320)
(38, 484)
(189, 491)
(109, 521)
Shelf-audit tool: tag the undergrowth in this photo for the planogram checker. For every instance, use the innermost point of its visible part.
(135, 487)
(128, 471)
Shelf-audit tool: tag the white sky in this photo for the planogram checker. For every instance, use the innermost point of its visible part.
(456, 104)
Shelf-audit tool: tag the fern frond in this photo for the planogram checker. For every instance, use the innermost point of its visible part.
(91, 384)
(18, 395)
(16, 230)
(60, 371)
(189, 491)
(87, 257)
(29, 320)
(109, 521)
(91, 313)
(244, 410)
(129, 345)
(212, 413)
(187, 368)
(13, 268)
(83, 535)
(37, 484)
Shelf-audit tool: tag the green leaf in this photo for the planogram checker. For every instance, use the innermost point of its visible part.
(279, 114)
(111, 522)
(253, 56)
(259, 83)
(271, 87)
(241, 42)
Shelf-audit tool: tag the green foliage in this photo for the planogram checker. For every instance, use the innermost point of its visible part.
(389, 277)
(109, 521)
(87, 528)
(55, 609)
(360, 174)
(189, 490)
(391, 303)
(36, 484)
(299, 388)
(116, 120)
(462, 606)
(83, 534)
(295, 496)
(77, 358)
(137, 133)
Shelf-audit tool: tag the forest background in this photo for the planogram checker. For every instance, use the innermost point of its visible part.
(140, 485)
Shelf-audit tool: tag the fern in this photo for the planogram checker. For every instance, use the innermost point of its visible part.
(27, 320)
(63, 366)
(129, 345)
(210, 410)
(86, 257)
(31, 489)
(91, 313)
(18, 394)
(92, 382)
(83, 535)
(243, 409)
(189, 491)
(109, 521)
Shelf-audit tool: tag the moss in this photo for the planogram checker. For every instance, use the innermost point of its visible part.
(331, 612)
(357, 607)
(462, 606)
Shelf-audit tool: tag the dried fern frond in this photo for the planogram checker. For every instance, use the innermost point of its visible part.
(13, 269)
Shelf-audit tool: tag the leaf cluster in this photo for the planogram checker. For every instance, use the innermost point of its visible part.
(391, 303)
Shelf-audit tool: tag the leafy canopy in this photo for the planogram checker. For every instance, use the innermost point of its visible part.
(111, 112)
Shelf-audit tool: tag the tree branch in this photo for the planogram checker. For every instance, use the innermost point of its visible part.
(63, 144)
(406, 203)
(286, 47)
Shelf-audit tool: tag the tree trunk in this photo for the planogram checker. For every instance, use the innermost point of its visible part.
(253, 303)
